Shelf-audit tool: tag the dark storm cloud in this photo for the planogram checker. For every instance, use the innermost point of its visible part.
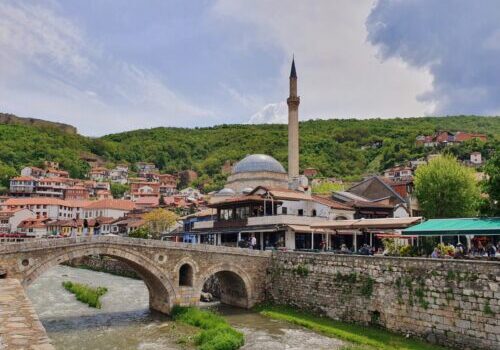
(457, 40)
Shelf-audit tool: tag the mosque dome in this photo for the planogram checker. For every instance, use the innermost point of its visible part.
(258, 163)
(247, 190)
(225, 192)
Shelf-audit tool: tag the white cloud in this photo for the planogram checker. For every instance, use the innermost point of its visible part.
(273, 113)
(50, 70)
(339, 72)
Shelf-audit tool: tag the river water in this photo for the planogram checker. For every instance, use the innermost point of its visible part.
(125, 322)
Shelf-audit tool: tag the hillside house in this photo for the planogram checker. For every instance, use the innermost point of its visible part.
(10, 219)
(33, 172)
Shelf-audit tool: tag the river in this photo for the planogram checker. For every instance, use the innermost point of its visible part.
(125, 322)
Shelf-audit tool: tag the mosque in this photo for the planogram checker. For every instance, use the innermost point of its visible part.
(262, 200)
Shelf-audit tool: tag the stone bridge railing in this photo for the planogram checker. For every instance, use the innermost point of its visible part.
(36, 244)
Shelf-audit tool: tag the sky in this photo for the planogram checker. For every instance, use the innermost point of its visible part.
(108, 66)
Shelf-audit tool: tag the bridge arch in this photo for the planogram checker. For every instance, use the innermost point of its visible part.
(236, 287)
(161, 291)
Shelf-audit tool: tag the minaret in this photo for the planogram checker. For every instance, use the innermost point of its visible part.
(293, 126)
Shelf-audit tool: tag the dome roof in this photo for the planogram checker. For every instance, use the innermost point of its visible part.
(225, 192)
(247, 190)
(258, 163)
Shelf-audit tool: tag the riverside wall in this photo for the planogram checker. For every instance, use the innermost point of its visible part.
(454, 303)
(103, 264)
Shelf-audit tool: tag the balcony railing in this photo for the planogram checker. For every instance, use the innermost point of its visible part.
(259, 221)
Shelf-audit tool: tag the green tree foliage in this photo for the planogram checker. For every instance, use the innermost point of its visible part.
(337, 148)
(118, 190)
(446, 189)
(492, 187)
(327, 188)
(159, 221)
(6, 173)
(141, 232)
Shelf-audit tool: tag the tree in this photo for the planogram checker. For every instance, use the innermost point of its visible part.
(446, 189)
(118, 190)
(141, 232)
(492, 187)
(6, 173)
(159, 221)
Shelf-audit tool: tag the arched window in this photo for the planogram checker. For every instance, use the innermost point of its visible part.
(186, 275)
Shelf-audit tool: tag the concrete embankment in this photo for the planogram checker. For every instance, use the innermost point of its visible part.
(20, 327)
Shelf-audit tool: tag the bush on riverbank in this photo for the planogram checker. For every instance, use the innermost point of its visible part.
(85, 293)
(216, 333)
(369, 338)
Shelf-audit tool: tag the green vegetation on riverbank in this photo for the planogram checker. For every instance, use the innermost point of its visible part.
(85, 293)
(216, 333)
(363, 338)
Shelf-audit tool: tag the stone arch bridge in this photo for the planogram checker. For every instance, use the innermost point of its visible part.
(174, 273)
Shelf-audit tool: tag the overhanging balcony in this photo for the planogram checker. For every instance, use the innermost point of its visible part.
(270, 220)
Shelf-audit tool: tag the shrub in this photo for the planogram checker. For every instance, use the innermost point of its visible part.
(85, 293)
(216, 333)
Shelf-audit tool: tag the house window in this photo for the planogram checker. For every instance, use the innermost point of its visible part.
(226, 214)
(300, 212)
(242, 213)
(284, 210)
(313, 213)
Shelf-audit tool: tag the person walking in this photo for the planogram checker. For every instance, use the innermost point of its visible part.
(97, 228)
(253, 241)
(85, 227)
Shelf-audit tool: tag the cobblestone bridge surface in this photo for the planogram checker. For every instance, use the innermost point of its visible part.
(20, 327)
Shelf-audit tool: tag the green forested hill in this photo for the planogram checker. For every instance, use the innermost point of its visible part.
(335, 147)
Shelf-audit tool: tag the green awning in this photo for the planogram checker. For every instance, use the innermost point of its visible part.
(455, 227)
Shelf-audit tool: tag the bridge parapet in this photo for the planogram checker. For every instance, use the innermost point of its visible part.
(36, 244)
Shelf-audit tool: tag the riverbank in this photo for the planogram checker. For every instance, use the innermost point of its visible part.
(362, 337)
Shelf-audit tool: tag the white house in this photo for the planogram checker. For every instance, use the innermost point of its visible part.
(111, 208)
(11, 218)
(475, 158)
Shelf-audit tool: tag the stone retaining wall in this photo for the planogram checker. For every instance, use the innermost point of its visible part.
(449, 302)
(104, 264)
(20, 327)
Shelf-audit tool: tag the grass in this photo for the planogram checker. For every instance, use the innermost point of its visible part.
(361, 337)
(216, 333)
(85, 293)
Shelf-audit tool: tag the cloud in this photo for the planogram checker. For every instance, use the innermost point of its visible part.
(457, 41)
(339, 72)
(273, 113)
(50, 70)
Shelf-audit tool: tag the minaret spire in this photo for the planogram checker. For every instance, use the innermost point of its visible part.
(293, 125)
(293, 73)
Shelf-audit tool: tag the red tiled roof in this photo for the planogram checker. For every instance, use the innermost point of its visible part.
(33, 223)
(147, 200)
(331, 203)
(119, 204)
(23, 178)
(54, 179)
(43, 201)
(33, 201)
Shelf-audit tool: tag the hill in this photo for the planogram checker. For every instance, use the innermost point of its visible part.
(6, 118)
(341, 148)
